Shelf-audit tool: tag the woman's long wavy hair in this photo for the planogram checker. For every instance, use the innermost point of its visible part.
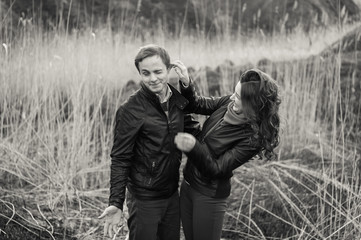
(260, 102)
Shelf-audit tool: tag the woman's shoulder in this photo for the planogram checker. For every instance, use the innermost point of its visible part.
(250, 133)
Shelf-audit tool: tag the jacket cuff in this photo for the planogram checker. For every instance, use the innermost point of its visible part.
(195, 155)
(186, 88)
(181, 84)
(116, 204)
(188, 92)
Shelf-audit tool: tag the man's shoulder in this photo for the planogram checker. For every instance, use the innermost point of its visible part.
(135, 104)
(134, 99)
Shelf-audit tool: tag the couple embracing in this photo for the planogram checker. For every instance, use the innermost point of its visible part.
(153, 127)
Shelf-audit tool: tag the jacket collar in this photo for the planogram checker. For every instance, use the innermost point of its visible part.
(179, 100)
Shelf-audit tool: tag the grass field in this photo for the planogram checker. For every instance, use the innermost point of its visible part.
(58, 96)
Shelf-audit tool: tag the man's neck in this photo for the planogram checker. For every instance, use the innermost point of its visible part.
(164, 94)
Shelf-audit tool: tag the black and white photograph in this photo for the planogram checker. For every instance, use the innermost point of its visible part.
(180, 119)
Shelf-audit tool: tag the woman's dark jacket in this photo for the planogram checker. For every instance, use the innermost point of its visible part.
(144, 157)
(220, 147)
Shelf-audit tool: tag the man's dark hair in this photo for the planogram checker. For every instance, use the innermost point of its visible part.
(149, 51)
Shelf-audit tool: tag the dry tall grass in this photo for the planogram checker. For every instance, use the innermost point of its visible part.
(58, 96)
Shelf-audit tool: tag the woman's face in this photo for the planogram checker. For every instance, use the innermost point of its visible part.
(236, 97)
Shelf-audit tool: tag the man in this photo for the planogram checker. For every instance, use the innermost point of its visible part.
(144, 156)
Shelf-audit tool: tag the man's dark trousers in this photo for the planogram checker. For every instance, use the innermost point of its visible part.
(154, 219)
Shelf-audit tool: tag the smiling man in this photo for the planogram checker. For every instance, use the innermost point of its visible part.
(144, 157)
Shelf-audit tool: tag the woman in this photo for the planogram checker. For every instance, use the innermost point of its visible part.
(240, 126)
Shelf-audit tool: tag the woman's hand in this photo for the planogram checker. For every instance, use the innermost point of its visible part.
(184, 141)
(113, 220)
(182, 72)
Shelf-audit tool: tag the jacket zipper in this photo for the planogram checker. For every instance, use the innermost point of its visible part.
(153, 165)
(152, 171)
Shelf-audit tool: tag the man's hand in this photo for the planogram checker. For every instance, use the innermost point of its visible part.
(182, 72)
(113, 220)
(184, 141)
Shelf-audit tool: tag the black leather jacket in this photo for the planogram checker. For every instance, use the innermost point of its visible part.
(144, 156)
(220, 148)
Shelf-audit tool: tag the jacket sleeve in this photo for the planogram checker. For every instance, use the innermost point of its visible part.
(199, 104)
(125, 133)
(191, 125)
(223, 165)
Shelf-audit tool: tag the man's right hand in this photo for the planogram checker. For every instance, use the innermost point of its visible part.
(113, 220)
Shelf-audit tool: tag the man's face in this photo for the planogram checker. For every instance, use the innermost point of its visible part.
(154, 74)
